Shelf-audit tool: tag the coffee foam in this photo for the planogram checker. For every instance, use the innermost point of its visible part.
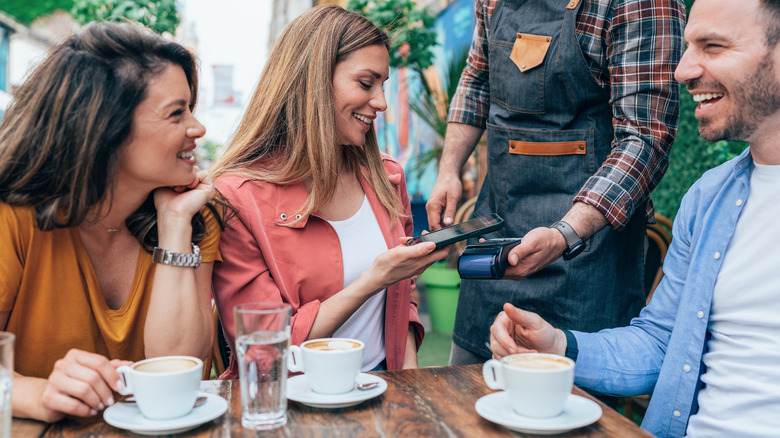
(165, 365)
(537, 362)
(332, 345)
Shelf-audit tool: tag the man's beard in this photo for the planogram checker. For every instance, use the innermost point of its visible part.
(754, 98)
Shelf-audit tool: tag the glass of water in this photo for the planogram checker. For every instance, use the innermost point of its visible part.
(6, 381)
(262, 341)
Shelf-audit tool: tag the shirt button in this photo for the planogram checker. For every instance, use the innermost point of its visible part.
(283, 217)
(700, 314)
(676, 413)
(739, 203)
(717, 255)
(687, 368)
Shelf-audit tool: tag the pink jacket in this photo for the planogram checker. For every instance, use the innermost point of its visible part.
(300, 264)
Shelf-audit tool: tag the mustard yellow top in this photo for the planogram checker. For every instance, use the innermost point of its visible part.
(48, 284)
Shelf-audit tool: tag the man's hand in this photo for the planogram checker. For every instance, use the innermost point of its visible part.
(543, 245)
(518, 331)
(540, 247)
(459, 143)
(443, 202)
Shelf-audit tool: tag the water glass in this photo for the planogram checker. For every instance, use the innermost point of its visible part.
(6, 381)
(262, 342)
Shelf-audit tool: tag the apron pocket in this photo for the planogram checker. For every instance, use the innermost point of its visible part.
(517, 73)
(529, 50)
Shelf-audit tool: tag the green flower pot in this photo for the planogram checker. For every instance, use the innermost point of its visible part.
(441, 293)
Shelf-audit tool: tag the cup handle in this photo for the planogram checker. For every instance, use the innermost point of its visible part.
(493, 374)
(124, 374)
(295, 359)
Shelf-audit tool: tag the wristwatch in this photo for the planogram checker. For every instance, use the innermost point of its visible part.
(166, 257)
(575, 244)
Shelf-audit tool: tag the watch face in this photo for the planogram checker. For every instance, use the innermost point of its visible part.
(574, 250)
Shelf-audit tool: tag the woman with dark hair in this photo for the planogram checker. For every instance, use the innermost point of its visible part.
(322, 213)
(107, 247)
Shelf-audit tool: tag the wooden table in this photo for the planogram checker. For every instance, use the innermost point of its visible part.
(427, 402)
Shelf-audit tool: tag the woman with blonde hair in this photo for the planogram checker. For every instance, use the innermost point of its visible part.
(322, 213)
(106, 247)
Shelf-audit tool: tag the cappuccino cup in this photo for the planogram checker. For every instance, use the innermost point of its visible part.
(163, 387)
(538, 384)
(330, 364)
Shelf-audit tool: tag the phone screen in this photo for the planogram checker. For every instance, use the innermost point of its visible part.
(464, 230)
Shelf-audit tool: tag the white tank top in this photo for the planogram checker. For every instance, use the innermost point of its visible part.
(361, 242)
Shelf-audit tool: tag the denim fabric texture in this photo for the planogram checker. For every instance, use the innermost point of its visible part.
(556, 101)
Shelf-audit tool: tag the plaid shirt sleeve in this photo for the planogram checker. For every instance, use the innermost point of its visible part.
(472, 98)
(646, 46)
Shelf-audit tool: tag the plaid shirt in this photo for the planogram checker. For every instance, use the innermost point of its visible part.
(632, 47)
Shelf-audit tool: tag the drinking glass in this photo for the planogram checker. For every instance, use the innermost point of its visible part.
(262, 342)
(6, 381)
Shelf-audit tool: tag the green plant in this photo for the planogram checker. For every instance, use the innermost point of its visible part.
(409, 28)
(160, 16)
(432, 103)
(28, 10)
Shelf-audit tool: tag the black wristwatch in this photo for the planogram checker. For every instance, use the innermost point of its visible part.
(575, 244)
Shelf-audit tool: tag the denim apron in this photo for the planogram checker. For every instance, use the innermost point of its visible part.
(549, 129)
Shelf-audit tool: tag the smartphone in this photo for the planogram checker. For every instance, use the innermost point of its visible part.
(462, 231)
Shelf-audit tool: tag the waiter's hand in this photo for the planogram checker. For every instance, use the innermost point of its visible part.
(540, 247)
(443, 202)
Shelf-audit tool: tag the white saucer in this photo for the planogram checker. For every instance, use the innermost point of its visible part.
(298, 390)
(578, 412)
(128, 416)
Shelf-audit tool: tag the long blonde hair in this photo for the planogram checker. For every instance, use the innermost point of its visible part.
(288, 133)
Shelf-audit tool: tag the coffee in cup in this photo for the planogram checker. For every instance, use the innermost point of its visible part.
(331, 365)
(537, 362)
(163, 387)
(331, 345)
(538, 384)
(165, 365)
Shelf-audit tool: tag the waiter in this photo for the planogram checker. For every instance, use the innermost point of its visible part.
(580, 105)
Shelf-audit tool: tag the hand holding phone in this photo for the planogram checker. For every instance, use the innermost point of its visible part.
(462, 231)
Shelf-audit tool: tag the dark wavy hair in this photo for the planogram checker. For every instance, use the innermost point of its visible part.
(59, 139)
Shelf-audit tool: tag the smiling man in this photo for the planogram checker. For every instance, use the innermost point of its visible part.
(708, 345)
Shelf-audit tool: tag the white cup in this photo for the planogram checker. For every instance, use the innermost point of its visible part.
(331, 364)
(538, 384)
(163, 387)
(6, 381)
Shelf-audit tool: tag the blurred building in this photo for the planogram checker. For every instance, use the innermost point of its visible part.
(20, 50)
(232, 39)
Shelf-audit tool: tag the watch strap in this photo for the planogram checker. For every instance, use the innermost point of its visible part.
(165, 257)
(574, 243)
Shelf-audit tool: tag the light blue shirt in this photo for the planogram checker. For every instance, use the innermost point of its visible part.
(663, 346)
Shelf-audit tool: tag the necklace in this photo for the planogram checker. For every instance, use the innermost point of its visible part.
(109, 229)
